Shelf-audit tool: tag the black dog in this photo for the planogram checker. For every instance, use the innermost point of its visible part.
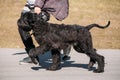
(55, 37)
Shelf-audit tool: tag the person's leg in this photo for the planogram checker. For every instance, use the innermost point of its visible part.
(28, 43)
(26, 39)
(66, 53)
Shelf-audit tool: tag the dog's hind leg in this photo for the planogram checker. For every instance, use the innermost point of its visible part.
(91, 63)
(87, 48)
(79, 47)
(99, 59)
(94, 57)
(55, 59)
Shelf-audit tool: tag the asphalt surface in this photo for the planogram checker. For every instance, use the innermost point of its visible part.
(73, 69)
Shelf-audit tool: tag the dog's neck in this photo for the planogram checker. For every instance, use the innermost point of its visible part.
(40, 27)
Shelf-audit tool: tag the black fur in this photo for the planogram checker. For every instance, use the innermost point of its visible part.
(55, 37)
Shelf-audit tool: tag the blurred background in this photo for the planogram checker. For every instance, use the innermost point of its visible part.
(82, 12)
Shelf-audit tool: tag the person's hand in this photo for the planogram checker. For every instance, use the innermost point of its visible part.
(37, 10)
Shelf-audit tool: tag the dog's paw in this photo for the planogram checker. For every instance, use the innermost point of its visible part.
(98, 71)
(34, 60)
(54, 67)
(32, 56)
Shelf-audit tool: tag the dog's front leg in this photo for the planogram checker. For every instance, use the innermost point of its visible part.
(35, 52)
(56, 60)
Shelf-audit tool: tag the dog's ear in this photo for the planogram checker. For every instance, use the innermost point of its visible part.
(27, 17)
(31, 18)
(23, 22)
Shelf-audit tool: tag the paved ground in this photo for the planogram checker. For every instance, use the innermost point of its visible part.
(73, 69)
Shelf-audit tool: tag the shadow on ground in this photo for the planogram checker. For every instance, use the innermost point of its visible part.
(45, 61)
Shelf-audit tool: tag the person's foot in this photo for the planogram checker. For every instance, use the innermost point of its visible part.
(66, 58)
(25, 61)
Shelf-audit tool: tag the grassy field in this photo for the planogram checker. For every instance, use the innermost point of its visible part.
(82, 12)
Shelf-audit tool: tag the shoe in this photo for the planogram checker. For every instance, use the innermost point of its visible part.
(25, 61)
(66, 58)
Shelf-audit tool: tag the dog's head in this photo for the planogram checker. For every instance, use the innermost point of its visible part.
(31, 17)
(28, 19)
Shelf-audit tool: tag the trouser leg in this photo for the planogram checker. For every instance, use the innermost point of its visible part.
(66, 53)
(26, 39)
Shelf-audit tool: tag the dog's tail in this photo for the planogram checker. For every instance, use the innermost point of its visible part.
(98, 26)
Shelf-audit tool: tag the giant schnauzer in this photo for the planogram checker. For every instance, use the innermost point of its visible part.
(55, 37)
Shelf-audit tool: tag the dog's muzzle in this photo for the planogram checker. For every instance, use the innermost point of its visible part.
(45, 16)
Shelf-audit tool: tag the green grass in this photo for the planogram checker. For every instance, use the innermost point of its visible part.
(82, 12)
